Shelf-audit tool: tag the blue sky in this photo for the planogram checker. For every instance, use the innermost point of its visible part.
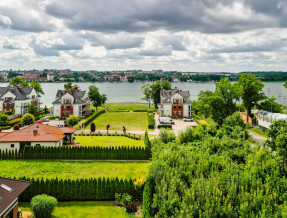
(184, 35)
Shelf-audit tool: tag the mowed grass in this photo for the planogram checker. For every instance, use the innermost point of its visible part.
(103, 141)
(73, 169)
(87, 209)
(128, 107)
(133, 121)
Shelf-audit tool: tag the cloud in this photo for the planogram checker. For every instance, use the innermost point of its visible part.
(5, 21)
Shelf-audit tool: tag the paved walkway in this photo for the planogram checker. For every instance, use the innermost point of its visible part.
(257, 138)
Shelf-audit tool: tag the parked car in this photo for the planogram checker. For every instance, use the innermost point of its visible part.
(188, 119)
(166, 120)
(44, 119)
(39, 121)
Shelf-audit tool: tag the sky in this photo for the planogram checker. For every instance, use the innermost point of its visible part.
(182, 35)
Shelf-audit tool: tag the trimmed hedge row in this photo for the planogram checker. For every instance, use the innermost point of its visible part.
(80, 189)
(165, 126)
(151, 121)
(94, 116)
(76, 153)
(131, 136)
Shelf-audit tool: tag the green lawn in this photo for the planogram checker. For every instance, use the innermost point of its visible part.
(258, 131)
(104, 141)
(73, 169)
(87, 209)
(131, 120)
(128, 107)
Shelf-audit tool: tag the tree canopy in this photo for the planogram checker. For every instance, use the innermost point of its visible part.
(96, 98)
(252, 92)
(17, 81)
(70, 85)
(37, 86)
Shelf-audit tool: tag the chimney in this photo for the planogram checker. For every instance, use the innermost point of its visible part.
(35, 131)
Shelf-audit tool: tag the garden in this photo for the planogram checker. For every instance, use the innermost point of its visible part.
(104, 141)
(79, 209)
(74, 169)
(133, 121)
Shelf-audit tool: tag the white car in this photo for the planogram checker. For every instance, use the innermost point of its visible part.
(188, 119)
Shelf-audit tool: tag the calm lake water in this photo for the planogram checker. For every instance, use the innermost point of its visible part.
(131, 92)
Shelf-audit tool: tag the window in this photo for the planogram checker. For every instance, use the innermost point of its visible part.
(179, 107)
(12, 145)
(64, 106)
(174, 107)
(174, 112)
(179, 113)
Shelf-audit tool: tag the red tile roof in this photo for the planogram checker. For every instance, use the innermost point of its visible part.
(7, 197)
(37, 133)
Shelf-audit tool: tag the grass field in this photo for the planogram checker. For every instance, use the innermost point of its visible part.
(87, 209)
(131, 120)
(103, 141)
(128, 107)
(258, 131)
(73, 169)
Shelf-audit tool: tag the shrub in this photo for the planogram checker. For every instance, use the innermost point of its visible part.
(93, 127)
(43, 206)
(131, 208)
(16, 127)
(3, 117)
(151, 121)
(27, 119)
(164, 126)
(108, 126)
(72, 120)
(0, 129)
(123, 199)
(166, 136)
(32, 109)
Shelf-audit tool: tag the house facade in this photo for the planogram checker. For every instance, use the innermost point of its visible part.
(18, 98)
(36, 134)
(10, 189)
(72, 101)
(175, 102)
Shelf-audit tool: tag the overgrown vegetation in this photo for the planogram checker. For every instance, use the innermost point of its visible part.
(212, 172)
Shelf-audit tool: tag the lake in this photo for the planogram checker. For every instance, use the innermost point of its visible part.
(131, 92)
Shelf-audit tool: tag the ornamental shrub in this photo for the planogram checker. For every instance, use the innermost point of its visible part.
(27, 119)
(72, 120)
(93, 127)
(16, 127)
(43, 206)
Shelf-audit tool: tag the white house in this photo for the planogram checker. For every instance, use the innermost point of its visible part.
(72, 101)
(36, 134)
(175, 103)
(18, 98)
(265, 118)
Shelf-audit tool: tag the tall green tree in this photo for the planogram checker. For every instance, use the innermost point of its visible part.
(252, 92)
(96, 97)
(17, 81)
(70, 85)
(32, 109)
(37, 86)
(147, 93)
(154, 90)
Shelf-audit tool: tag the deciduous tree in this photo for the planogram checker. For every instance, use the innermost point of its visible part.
(96, 98)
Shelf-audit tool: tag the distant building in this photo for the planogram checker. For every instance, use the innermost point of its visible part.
(175, 102)
(175, 80)
(265, 118)
(113, 77)
(18, 98)
(51, 76)
(72, 101)
(30, 78)
(10, 189)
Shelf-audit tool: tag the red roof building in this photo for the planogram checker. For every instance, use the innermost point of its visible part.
(36, 134)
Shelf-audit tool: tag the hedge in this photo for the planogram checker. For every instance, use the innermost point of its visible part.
(151, 121)
(165, 126)
(76, 153)
(94, 116)
(96, 189)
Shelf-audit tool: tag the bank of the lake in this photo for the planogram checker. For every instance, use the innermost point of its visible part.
(131, 92)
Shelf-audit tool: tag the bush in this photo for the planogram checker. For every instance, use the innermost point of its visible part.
(43, 206)
(0, 129)
(131, 208)
(151, 121)
(27, 119)
(123, 199)
(32, 109)
(72, 120)
(93, 127)
(164, 126)
(16, 127)
(166, 136)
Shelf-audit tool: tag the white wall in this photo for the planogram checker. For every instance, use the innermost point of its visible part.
(7, 145)
(48, 144)
(76, 109)
(167, 109)
(185, 110)
(57, 110)
(66, 97)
